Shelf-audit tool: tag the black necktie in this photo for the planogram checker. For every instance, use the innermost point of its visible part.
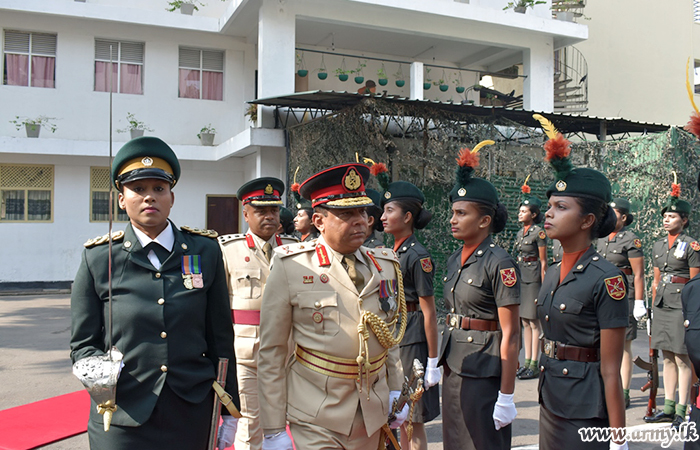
(160, 251)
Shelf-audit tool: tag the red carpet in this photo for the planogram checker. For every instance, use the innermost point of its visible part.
(39, 423)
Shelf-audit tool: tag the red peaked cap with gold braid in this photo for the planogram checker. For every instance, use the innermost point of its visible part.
(571, 181)
(468, 187)
(341, 186)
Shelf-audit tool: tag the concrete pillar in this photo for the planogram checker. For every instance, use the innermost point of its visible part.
(276, 55)
(416, 81)
(538, 87)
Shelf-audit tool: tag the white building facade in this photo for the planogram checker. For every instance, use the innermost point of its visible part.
(180, 73)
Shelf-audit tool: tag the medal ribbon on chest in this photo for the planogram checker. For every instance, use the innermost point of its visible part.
(680, 250)
(192, 272)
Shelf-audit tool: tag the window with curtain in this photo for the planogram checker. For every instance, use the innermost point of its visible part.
(100, 184)
(29, 59)
(26, 193)
(127, 66)
(201, 74)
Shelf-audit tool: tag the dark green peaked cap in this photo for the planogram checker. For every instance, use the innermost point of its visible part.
(145, 157)
(402, 189)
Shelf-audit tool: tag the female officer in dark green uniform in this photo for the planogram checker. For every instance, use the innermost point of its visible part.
(676, 261)
(583, 309)
(404, 212)
(171, 313)
(479, 350)
(531, 254)
(624, 249)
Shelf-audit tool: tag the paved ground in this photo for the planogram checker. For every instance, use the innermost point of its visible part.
(34, 365)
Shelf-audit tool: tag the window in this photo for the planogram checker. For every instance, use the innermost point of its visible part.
(30, 59)
(201, 74)
(100, 184)
(25, 193)
(127, 66)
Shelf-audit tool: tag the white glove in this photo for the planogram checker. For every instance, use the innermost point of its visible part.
(401, 416)
(432, 374)
(504, 412)
(279, 441)
(227, 432)
(639, 309)
(614, 446)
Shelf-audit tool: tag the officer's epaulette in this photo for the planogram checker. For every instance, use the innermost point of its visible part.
(230, 237)
(283, 251)
(99, 240)
(290, 237)
(208, 233)
(383, 253)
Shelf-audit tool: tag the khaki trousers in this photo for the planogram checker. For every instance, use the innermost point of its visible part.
(308, 436)
(249, 435)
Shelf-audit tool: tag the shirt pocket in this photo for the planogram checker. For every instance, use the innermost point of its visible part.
(248, 283)
(318, 312)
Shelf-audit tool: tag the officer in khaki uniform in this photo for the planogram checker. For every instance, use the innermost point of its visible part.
(247, 263)
(337, 390)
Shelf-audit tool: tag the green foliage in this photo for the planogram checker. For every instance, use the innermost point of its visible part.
(44, 121)
(134, 124)
(523, 4)
(207, 129)
(176, 4)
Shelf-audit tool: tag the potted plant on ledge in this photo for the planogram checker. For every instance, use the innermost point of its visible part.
(206, 135)
(520, 6)
(135, 127)
(185, 6)
(33, 126)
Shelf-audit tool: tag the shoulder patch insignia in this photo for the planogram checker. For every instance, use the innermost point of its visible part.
(695, 246)
(208, 233)
(509, 277)
(638, 243)
(616, 287)
(426, 264)
(99, 240)
(542, 234)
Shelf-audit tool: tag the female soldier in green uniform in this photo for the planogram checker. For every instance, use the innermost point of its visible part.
(171, 313)
(624, 249)
(479, 350)
(531, 254)
(583, 309)
(676, 261)
(404, 212)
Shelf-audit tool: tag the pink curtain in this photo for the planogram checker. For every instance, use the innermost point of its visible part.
(189, 83)
(131, 79)
(43, 73)
(212, 85)
(102, 77)
(17, 67)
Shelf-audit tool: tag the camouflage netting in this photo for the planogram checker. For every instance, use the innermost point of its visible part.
(420, 144)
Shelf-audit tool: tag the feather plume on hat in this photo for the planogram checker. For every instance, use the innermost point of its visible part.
(693, 125)
(468, 160)
(558, 148)
(379, 171)
(525, 189)
(675, 187)
(295, 188)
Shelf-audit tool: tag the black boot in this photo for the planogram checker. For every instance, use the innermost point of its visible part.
(660, 417)
(677, 421)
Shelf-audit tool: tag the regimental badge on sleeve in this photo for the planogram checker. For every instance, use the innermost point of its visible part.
(509, 277)
(638, 243)
(426, 264)
(542, 234)
(695, 246)
(616, 287)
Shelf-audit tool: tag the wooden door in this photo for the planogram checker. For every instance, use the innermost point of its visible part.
(222, 213)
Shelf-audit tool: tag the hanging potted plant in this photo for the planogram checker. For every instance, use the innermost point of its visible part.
(342, 71)
(359, 77)
(322, 71)
(458, 83)
(135, 127)
(520, 6)
(206, 135)
(400, 80)
(33, 126)
(302, 72)
(381, 76)
(185, 6)
(441, 83)
(428, 81)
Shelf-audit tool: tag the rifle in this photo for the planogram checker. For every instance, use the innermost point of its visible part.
(409, 393)
(652, 368)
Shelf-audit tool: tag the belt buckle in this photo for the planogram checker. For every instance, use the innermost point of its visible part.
(455, 321)
(666, 278)
(549, 349)
(520, 258)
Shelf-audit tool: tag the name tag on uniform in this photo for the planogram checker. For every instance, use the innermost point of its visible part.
(192, 272)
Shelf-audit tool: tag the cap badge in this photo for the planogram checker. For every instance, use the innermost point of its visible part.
(269, 190)
(298, 205)
(526, 202)
(147, 161)
(612, 205)
(387, 194)
(462, 192)
(673, 207)
(352, 180)
(561, 185)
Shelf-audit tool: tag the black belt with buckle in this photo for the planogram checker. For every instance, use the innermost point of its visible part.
(566, 352)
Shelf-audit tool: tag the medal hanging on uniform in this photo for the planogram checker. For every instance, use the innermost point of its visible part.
(387, 295)
(192, 272)
(680, 250)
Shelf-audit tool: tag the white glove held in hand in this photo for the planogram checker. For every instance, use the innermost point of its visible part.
(639, 309)
(279, 441)
(614, 446)
(432, 374)
(400, 417)
(504, 412)
(227, 432)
